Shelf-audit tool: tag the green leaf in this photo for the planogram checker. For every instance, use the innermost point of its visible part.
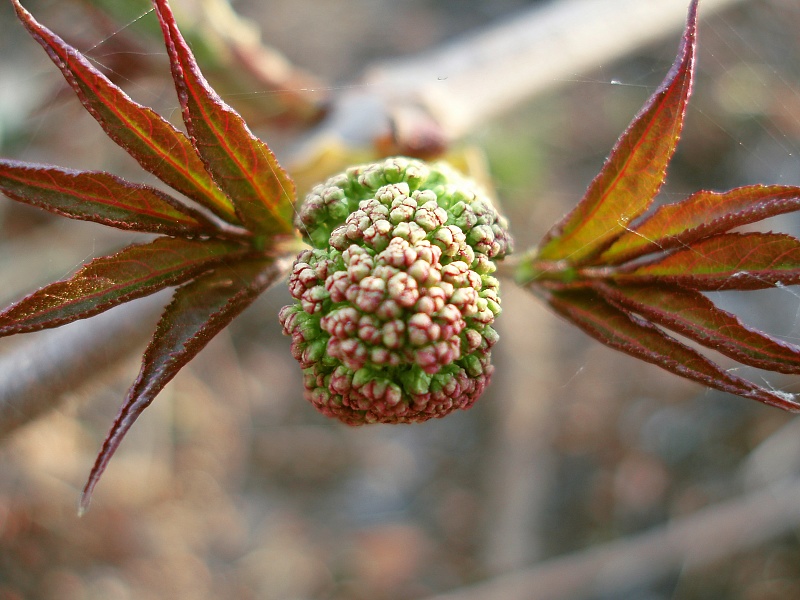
(635, 170)
(100, 198)
(641, 339)
(158, 147)
(695, 317)
(702, 214)
(729, 261)
(241, 164)
(198, 311)
(133, 272)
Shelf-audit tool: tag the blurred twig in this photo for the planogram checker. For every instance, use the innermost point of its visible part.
(774, 460)
(519, 463)
(301, 97)
(481, 75)
(231, 51)
(37, 374)
(609, 570)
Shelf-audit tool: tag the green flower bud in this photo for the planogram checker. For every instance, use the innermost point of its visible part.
(395, 300)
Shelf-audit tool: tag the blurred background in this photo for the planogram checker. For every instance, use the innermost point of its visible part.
(231, 486)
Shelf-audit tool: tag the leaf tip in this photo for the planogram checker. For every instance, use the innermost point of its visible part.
(83, 504)
(97, 470)
(22, 13)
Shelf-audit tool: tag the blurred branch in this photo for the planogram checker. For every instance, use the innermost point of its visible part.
(520, 463)
(774, 460)
(609, 570)
(35, 376)
(461, 84)
(477, 77)
(301, 95)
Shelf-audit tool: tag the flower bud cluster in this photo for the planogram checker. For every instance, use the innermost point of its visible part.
(395, 300)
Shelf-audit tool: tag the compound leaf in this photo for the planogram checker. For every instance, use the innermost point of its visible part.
(156, 144)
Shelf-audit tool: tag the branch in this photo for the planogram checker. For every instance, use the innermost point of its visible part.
(35, 376)
(478, 77)
(301, 95)
(608, 570)
(519, 469)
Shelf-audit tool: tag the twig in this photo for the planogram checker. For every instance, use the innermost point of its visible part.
(519, 465)
(35, 376)
(301, 95)
(608, 570)
(482, 75)
(775, 459)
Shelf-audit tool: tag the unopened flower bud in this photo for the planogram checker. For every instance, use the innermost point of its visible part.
(395, 300)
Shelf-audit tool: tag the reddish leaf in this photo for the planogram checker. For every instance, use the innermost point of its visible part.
(695, 317)
(729, 261)
(241, 164)
(101, 198)
(160, 148)
(702, 214)
(619, 330)
(133, 272)
(635, 170)
(198, 311)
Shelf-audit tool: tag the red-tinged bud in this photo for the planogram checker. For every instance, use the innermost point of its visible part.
(395, 301)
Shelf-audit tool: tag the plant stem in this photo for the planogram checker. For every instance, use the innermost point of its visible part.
(40, 372)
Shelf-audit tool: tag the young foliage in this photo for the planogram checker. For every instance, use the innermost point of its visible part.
(222, 258)
(242, 165)
(634, 172)
(624, 279)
